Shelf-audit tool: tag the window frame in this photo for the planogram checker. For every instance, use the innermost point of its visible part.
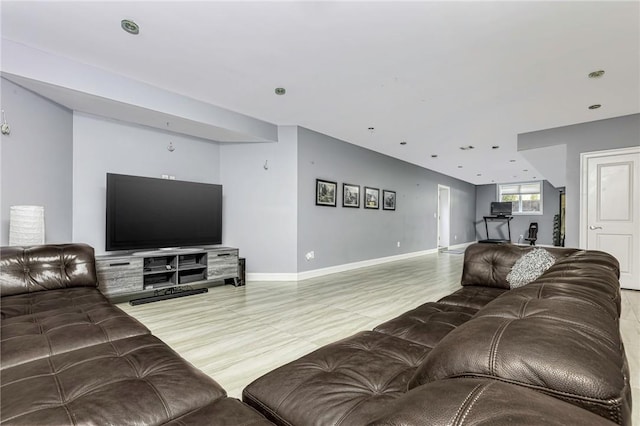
(519, 193)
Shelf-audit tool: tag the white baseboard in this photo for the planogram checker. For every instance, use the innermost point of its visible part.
(257, 276)
(461, 246)
(266, 276)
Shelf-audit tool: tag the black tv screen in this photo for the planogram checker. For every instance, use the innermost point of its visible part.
(145, 213)
(499, 208)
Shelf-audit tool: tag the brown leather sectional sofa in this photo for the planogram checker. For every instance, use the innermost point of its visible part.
(546, 353)
(69, 357)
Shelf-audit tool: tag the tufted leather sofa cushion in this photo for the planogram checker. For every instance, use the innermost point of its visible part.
(483, 402)
(138, 380)
(558, 336)
(44, 301)
(489, 264)
(48, 267)
(222, 412)
(29, 337)
(472, 296)
(347, 382)
(427, 324)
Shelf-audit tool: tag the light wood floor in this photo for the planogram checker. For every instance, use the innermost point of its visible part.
(237, 334)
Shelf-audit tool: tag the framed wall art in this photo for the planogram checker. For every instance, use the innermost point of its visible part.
(326, 193)
(371, 198)
(388, 200)
(350, 195)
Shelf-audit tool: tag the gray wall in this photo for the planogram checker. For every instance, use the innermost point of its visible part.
(619, 132)
(36, 161)
(260, 205)
(345, 235)
(102, 145)
(71, 153)
(485, 194)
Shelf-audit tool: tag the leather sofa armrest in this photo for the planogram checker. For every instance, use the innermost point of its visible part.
(489, 264)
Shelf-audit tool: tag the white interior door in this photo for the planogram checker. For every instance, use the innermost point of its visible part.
(444, 216)
(611, 213)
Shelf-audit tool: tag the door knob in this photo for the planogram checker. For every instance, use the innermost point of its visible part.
(594, 227)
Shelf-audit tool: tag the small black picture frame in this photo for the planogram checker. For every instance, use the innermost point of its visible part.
(326, 193)
(388, 200)
(350, 195)
(371, 198)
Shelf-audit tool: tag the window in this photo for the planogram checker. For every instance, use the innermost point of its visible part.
(526, 197)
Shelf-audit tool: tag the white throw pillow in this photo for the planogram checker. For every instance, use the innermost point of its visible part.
(529, 267)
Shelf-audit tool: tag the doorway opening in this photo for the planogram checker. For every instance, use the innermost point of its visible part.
(444, 217)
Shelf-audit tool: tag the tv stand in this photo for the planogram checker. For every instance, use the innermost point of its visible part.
(159, 275)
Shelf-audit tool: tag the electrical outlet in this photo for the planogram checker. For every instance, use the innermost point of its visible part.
(310, 255)
(165, 176)
(455, 237)
(172, 177)
(398, 243)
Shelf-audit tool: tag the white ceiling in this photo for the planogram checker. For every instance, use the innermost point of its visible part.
(438, 75)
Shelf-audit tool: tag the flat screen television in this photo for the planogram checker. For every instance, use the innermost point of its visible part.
(150, 213)
(499, 208)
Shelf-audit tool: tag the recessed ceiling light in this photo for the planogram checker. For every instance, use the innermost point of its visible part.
(280, 91)
(403, 143)
(459, 167)
(525, 170)
(594, 106)
(512, 161)
(130, 26)
(434, 155)
(495, 147)
(534, 177)
(596, 74)
(479, 174)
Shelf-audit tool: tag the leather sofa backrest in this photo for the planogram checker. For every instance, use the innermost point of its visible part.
(47, 267)
(558, 335)
(489, 264)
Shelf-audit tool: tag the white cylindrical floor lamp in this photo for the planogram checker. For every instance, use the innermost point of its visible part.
(26, 225)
